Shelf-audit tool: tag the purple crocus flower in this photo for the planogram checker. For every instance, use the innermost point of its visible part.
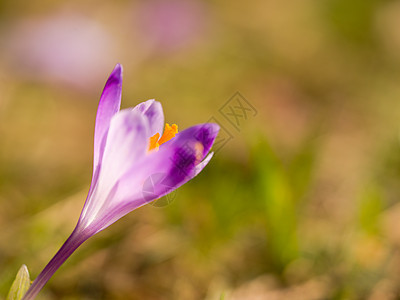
(170, 25)
(64, 47)
(128, 151)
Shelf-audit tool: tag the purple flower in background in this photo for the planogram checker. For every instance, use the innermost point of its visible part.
(128, 150)
(63, 47)
(169, 25)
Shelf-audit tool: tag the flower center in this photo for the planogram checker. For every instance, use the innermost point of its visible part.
(169, 133)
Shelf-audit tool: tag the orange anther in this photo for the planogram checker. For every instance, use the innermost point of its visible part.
(169, 133)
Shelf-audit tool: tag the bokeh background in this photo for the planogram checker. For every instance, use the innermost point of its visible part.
(301, 200)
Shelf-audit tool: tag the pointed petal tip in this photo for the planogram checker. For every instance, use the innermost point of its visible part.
(116, 74)
(214, 128)
(118, 67)
(209, 137)
(109, 105)
(207, 133)
(211, 128)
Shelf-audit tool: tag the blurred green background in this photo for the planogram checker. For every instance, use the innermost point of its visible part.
(300, 202)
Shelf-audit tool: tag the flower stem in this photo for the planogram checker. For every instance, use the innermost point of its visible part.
(71, 244)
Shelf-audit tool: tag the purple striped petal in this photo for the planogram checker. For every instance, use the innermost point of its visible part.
(176, 162)
(109, 105)
(152, 110)
(153, 188)
(189, 148)
(205, 134)
(127, 144)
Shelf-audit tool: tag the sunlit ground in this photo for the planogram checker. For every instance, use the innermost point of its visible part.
(301, 200)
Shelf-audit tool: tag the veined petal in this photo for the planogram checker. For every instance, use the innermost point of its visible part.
(109, 105)
(162, 185)
(205, 134)
(187, 152)
(152, 110)
(159, 173)
(127, 143)
(153, 188)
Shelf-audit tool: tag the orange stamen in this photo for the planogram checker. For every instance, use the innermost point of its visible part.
(169, 133)
(154, 142)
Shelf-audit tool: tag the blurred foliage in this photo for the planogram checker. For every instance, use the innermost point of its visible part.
(353, 20)
(20, 285)
(302, 202)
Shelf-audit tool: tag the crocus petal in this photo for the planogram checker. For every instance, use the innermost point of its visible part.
(166, 185)
(127, 143)
(109, 105)
(189, 148)
(177, 161)
(203, 133)
(152, 110)
(201, 165)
